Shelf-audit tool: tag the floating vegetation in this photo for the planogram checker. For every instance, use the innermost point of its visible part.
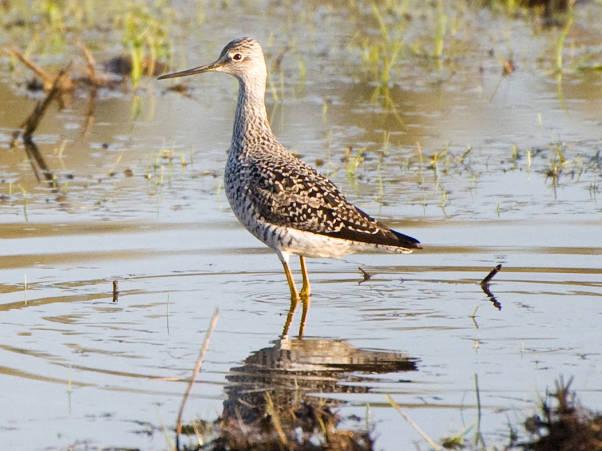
(551, 161)
(163, 164)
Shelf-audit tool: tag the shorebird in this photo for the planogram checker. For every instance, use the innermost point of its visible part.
(280, 199)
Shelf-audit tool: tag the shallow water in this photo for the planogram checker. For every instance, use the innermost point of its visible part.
(75, 365)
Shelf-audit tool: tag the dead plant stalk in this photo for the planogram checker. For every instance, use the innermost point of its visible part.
(195, 372)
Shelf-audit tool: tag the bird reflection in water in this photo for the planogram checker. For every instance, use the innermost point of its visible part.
(285, 392)
(291, 313)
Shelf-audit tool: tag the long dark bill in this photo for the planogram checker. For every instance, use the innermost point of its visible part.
(193, 71)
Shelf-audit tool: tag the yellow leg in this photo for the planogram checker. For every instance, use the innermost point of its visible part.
(294, 298)
(291, 282)
(306, 289)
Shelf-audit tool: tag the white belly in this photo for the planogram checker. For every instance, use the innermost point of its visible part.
(314, 245)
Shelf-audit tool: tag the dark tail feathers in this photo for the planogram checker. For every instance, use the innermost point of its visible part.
(406, 241)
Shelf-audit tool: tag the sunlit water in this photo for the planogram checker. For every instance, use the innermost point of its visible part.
(76, 367)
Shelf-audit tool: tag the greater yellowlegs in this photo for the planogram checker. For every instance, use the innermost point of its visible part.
(280, 199)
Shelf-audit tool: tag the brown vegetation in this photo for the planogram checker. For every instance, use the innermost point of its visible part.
(563, 424)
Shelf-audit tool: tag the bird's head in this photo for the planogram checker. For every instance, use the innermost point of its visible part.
(242, 58)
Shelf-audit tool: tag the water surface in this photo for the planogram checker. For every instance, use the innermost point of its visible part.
(140, 200)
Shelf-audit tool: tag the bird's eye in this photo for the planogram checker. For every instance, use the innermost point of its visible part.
(237, 57)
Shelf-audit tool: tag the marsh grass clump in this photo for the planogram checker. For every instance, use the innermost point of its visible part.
(353, 159)
(302, 426)
(380, 51)
(574, 168)
(563, 424)
(146, 39)
(438, 172)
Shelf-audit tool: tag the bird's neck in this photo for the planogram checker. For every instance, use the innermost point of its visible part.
(251, 124)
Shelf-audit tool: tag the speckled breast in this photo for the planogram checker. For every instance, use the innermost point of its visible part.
(237, 186)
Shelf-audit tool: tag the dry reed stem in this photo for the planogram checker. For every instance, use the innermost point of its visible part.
(412, 423)
(44, 76)
(94, 78)
(195, 372)
(271, 411)
(65, 83)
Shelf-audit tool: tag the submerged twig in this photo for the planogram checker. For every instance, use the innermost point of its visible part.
(32, 122)
(195, 372)
(497, 304)
(115, 291)
(491, 274)
(89, 115)
(485, 286)
(365, 274)
(30, 125)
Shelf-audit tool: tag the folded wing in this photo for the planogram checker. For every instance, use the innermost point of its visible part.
(291, 193)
